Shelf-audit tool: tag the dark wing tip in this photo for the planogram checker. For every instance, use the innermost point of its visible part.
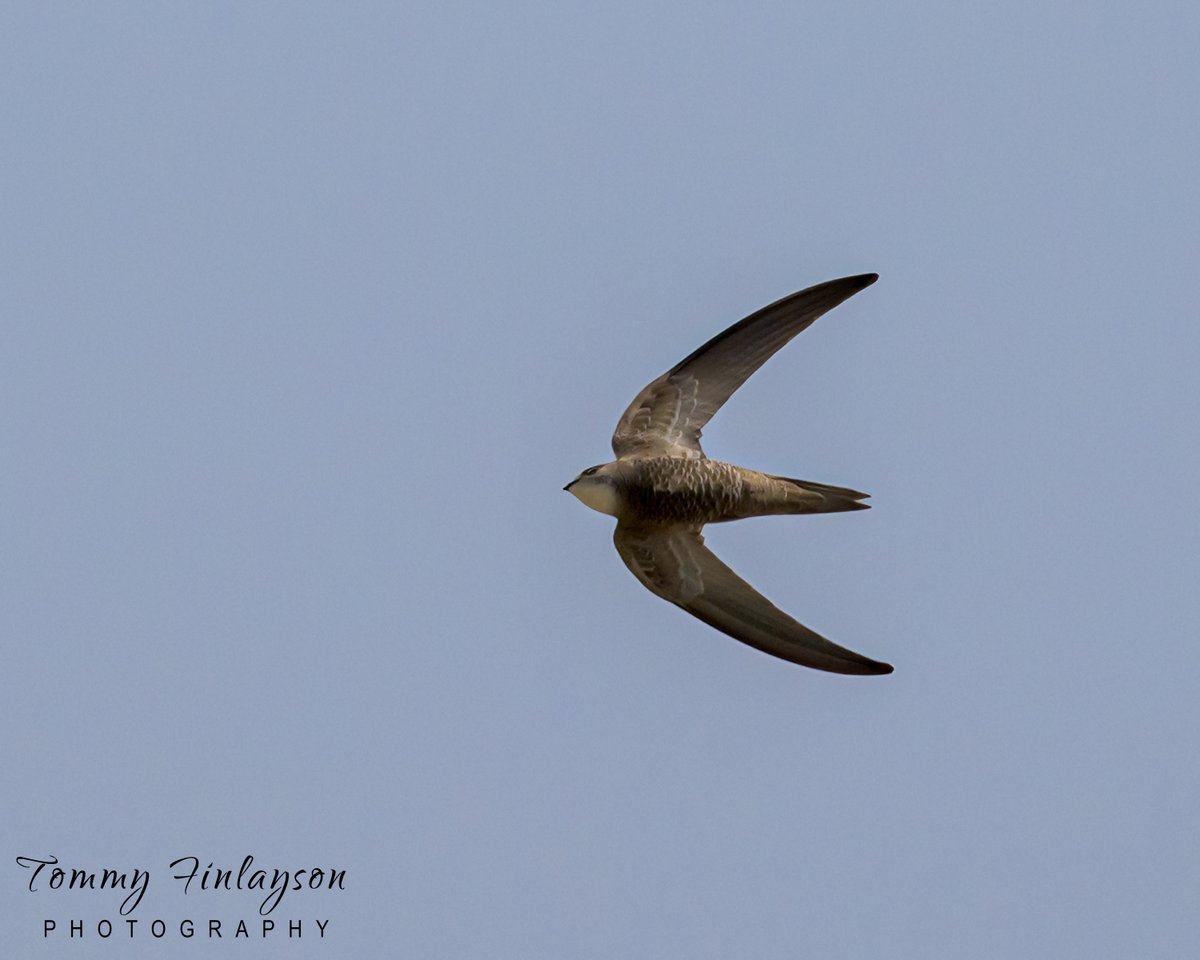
(862, 667)
(856, 666)
(862, 281)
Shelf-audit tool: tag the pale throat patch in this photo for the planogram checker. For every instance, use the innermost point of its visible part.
(597, 495)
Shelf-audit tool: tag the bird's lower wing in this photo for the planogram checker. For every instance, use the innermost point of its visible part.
(675, 564)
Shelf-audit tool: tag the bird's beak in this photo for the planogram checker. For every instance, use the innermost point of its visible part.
(568, 486)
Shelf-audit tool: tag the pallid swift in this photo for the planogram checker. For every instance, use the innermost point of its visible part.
(663, 489)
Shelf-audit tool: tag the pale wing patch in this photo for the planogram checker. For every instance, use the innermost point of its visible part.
(689, 579)
(679, 430)
(664, 420)
(662, 560)
(666, 561)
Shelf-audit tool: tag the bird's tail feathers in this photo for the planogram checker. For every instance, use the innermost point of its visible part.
(833, 499)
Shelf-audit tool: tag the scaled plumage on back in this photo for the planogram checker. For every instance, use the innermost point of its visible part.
(663, 489)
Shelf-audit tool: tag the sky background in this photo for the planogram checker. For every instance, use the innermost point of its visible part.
(309, 312)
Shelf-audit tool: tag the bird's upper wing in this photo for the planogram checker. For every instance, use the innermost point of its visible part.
(675, 564)
(666, 418)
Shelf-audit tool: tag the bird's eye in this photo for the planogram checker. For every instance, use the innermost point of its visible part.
(589, 471)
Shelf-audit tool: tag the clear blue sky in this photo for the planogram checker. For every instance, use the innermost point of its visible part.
(311, 310)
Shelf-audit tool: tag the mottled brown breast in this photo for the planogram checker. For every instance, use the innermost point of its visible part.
(671, 490)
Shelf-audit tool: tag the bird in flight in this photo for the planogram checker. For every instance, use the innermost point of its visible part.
(663, 489)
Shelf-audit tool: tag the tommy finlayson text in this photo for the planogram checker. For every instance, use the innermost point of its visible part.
(270, 886)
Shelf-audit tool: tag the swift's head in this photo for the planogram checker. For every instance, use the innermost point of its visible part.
(596, 487)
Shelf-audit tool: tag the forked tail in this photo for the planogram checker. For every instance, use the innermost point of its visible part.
(828, 499)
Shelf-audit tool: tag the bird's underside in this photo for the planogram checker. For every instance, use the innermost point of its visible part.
(663, 489)
(658, 490)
